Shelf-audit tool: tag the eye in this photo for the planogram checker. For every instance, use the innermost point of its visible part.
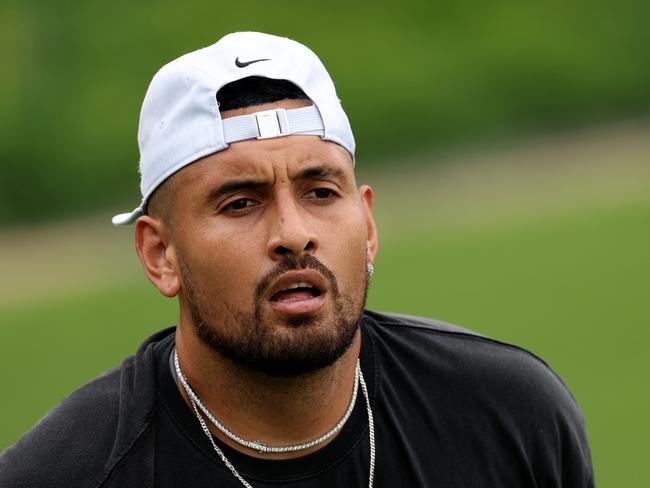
(239, 205)
(321, 194)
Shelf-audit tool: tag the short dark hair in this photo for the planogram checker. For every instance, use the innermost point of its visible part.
(256, 90)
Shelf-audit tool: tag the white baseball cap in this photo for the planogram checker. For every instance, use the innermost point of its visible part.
(180, 120)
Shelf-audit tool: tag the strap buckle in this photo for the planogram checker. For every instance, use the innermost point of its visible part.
(272, 123)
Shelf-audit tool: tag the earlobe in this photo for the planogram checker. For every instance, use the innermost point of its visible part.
(366, 194)
(157, 254)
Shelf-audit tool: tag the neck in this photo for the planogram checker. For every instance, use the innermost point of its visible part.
(256, 406)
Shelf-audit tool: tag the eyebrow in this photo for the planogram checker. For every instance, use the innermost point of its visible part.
(233, 187)
(322, 172)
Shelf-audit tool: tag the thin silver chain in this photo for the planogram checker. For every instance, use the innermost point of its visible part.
(194, 400)
(258, 445)
(371, 429)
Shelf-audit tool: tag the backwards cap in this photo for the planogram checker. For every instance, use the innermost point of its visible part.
(180, 120)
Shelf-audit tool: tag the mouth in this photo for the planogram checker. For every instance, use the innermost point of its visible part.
(298, 292)
(295, 292)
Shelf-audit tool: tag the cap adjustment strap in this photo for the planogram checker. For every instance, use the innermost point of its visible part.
(273, 123)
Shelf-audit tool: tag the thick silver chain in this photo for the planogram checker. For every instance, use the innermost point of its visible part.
(258, 445)
(196, 405)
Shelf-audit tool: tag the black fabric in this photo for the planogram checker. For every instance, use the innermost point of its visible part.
(451, 409)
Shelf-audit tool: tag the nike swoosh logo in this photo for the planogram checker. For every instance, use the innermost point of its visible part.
(243, 64)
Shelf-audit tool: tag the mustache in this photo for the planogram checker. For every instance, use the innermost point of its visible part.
(292, 262)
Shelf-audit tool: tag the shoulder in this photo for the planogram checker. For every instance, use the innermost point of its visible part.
(462, 355)
(81, 427)
(476, 380)
(92, 428)
(426, 337)
(398, 320)
(502, 378)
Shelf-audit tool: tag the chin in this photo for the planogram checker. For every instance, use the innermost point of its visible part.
(284, 346)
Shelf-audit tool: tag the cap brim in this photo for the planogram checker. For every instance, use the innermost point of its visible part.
(128, 218)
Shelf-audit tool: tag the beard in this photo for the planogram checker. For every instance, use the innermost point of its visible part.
(303, 344)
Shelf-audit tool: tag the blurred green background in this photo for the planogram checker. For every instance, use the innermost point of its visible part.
(508, 142)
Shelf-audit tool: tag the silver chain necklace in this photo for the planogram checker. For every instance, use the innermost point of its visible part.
(261, 447)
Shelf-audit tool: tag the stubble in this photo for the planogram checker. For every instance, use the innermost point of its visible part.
(299, 345)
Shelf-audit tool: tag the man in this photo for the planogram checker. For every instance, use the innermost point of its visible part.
(275, 375)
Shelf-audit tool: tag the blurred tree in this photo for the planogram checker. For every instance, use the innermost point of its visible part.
(418, 75)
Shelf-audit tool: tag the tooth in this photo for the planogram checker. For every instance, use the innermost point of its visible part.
(293, 286)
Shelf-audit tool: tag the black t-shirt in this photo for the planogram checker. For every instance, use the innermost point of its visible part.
(451, 409)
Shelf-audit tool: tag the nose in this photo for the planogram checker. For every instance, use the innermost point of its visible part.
(290, 230)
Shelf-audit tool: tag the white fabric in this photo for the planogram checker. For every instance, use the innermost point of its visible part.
(180, 120)
(305, 120)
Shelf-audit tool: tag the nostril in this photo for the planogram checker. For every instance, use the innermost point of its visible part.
(292, 246)
(310, 246)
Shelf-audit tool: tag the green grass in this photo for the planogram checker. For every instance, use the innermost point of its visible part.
(412, 75)
(573, 289)
(52, 348)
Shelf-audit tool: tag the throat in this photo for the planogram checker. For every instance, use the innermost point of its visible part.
(282, 413)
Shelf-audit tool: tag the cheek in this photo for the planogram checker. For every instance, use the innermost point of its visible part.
(227, 270)
(347, 249)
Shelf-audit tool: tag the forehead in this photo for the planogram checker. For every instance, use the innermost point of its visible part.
(270, 159)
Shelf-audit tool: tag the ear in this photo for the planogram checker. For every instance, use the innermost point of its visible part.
(157, 254)
(366, 194)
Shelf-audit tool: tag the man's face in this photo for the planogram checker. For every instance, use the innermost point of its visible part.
(271, 241)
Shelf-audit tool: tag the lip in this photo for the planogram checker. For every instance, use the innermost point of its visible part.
(298, 307)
